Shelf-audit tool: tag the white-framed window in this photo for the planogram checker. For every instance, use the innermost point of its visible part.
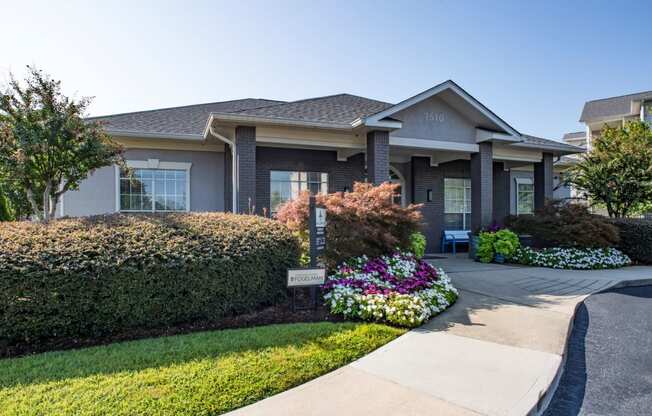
(457, 203)
(647, 112)
(286, 185)
(524, 196)
(153, 186)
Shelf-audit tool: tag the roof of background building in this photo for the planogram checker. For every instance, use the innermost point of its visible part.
(612, 107)
(575, 135)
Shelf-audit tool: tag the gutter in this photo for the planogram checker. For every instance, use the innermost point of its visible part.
(234, 167)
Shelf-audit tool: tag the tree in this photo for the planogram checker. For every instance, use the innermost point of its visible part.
(617, 172)
(46, 147)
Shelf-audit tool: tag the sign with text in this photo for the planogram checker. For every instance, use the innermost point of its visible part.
(320, 217)
(306, 277)
(317, 219)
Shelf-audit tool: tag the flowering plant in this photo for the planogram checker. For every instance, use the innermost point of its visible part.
(572, 258)
(398, 289)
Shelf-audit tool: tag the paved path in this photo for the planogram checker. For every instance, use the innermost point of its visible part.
(495, 352)
(609, 365)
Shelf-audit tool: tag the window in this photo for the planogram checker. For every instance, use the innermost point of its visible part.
(647, 112)
(286, 185)
(457, 204)
(154, 190)
(524, 196)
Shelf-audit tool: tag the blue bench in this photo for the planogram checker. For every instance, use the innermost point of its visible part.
(452, 237)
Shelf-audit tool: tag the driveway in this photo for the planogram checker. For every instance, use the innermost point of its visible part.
(609, 364)
(495, 352)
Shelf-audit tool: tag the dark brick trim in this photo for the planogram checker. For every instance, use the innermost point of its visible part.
(378, 156)
(543, 180)
(245, 147)
(482, 186)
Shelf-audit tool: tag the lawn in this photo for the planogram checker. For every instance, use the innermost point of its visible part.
(197, 374)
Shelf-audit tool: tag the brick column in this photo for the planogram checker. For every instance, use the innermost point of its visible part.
(245, 149)
(228, 179)
(501, 192)
(378, 157)
(543, 181)
(482, 187)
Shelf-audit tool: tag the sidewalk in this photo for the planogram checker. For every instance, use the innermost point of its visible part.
(495, 352)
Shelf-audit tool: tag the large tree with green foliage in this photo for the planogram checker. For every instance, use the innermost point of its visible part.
(617, 172)
(46, 147)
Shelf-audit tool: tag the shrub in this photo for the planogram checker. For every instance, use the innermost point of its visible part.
(507, 243)
(560, 224)
(398, 289)
(418, 245)
(572, 258)
(365, 221)
(490, 243)
(485, 250)
(635, 239)
(97, 276)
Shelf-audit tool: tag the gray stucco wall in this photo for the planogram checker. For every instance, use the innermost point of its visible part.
(433, 119)
(96, 195)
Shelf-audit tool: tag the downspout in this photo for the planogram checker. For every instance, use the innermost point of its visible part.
(234, 168)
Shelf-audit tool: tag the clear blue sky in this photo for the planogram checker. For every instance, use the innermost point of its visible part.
(533, 63)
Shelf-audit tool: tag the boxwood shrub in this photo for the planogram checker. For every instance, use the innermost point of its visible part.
(97, 276)
(635, 239)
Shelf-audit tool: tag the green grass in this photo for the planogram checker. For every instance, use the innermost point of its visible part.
(197, 374)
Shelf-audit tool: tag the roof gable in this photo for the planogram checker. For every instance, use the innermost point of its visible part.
(455, 96)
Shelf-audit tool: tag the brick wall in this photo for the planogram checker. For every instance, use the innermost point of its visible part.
(245, 146)
(340, 174)
(426, 177)
(378, 156)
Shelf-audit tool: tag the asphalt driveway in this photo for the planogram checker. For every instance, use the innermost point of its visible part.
(609, 365)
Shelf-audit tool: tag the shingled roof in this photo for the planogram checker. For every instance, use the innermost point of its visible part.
(337, 110)
(340, 109)
(547, 144)
(187, 120)
(611, 107)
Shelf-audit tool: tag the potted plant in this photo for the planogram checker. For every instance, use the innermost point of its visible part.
(505, 245)
(485, 246)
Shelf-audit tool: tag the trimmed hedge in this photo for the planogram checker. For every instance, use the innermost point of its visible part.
(567, 225)
(635, 239)
(101, 275)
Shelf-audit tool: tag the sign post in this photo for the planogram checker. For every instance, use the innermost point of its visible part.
(315, 275)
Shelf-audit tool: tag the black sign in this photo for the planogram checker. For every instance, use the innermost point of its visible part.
(317, 220)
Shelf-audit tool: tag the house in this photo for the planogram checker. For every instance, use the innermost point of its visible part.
(447, 151)
(613, 112)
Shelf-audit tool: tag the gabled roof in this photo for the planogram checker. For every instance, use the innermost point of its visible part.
(376, 120)
(338, 110)
(612, 107)
(182, 121)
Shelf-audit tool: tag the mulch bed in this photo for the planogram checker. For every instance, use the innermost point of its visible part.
(280, 314)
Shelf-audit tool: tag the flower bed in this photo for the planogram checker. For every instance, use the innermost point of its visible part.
(398, 289)
(572, 258)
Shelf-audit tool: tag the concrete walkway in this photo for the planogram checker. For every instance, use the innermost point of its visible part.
(497, 351)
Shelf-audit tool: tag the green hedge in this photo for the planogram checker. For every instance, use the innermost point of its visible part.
(635, 239)
(101, 275)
